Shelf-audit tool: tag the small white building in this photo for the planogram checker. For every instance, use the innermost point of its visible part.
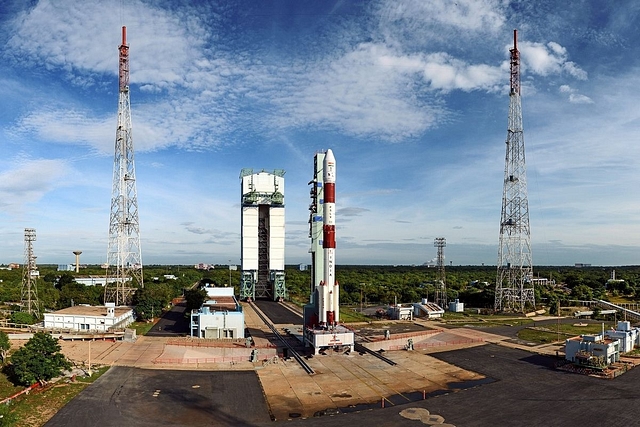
(91, 280)
(427, 309)
(90, 318)
(629, 337)
(401, 312)
(456, 306)
(221, 316)
(592, 350)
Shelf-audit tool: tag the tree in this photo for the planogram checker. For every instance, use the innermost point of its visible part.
(195, 298)
(22, 318)
(151, 300)
(5, 345)
(39, 360)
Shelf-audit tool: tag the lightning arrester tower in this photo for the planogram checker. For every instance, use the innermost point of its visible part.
(29, 275)
(124, 257)
(514, 287)
(441, 287)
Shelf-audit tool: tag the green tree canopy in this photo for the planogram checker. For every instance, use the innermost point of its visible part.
(195, 298)
(5, 345)
(38, 360)
(22, 318)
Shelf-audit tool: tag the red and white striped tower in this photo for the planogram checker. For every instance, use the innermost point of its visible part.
(330, 286)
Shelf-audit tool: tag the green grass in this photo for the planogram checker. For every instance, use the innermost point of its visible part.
(141, 327)
(37, 407)
(352, 316)
(7, 388)
(479, 320)
(560, 332)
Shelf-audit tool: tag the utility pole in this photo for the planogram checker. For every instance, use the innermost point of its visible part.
(30, 273)
(514, 287)
(124, 257)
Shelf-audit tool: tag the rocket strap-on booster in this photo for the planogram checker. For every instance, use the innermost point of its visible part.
(329, 309)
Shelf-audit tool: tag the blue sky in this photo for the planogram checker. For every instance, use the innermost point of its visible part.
(412, 96)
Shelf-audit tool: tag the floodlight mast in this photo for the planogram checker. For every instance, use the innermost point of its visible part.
(441, 284)
(124, 256)
(514, 285)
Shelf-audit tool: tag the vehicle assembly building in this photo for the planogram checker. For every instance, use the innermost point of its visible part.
(321, 317)
(262, 250)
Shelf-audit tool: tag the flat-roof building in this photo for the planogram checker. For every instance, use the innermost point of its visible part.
(220, 316)
(90, 318)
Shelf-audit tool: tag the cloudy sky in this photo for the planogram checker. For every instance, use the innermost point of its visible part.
(411, 95)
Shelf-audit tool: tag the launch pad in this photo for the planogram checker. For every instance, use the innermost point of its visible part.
(337, 338)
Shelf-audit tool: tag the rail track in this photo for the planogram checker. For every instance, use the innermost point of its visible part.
(291, 351)
(362, 349)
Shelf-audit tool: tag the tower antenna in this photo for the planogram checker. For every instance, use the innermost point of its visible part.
(30, 273)
(124, 257)
(514, 285)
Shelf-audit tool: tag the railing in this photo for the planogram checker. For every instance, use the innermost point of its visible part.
(201, 360)
(425, 346)
(406, 335)
(629, 313)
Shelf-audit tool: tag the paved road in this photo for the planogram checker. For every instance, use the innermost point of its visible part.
(141, 397)
(172, 323)
(278, 313)
(525, 391)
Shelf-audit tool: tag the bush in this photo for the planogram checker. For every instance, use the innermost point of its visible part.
(22, 318)
(39, 360)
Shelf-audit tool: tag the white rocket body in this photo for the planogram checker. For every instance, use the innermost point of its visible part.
(329, 308)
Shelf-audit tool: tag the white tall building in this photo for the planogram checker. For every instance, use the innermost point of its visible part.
(263, 235)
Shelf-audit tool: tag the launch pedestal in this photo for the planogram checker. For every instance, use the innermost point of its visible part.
(337, 338)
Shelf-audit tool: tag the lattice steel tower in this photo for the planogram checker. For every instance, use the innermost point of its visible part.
(514, 287)
(441, 284)
(30, 274)
(124, 257)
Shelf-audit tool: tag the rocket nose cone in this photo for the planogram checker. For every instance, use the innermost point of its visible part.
(328, 157)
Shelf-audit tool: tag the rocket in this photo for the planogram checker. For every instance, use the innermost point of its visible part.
(329, 302)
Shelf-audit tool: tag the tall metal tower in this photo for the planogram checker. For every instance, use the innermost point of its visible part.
(124, 257)
(263, 235)
(30, 273)
(441, 287)
(514, 287)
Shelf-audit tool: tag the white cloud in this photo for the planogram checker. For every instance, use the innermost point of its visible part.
(27, 181)
(574, 97)
(63, 35)
(69, 126)
(548, 59)
(470, 15)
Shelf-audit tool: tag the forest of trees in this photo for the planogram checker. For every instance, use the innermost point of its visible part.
(473, 285)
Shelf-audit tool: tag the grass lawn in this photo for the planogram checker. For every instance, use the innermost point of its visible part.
(141, 327)
(37, 407)
(352, 316)
(553, 333)
(466, 319)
